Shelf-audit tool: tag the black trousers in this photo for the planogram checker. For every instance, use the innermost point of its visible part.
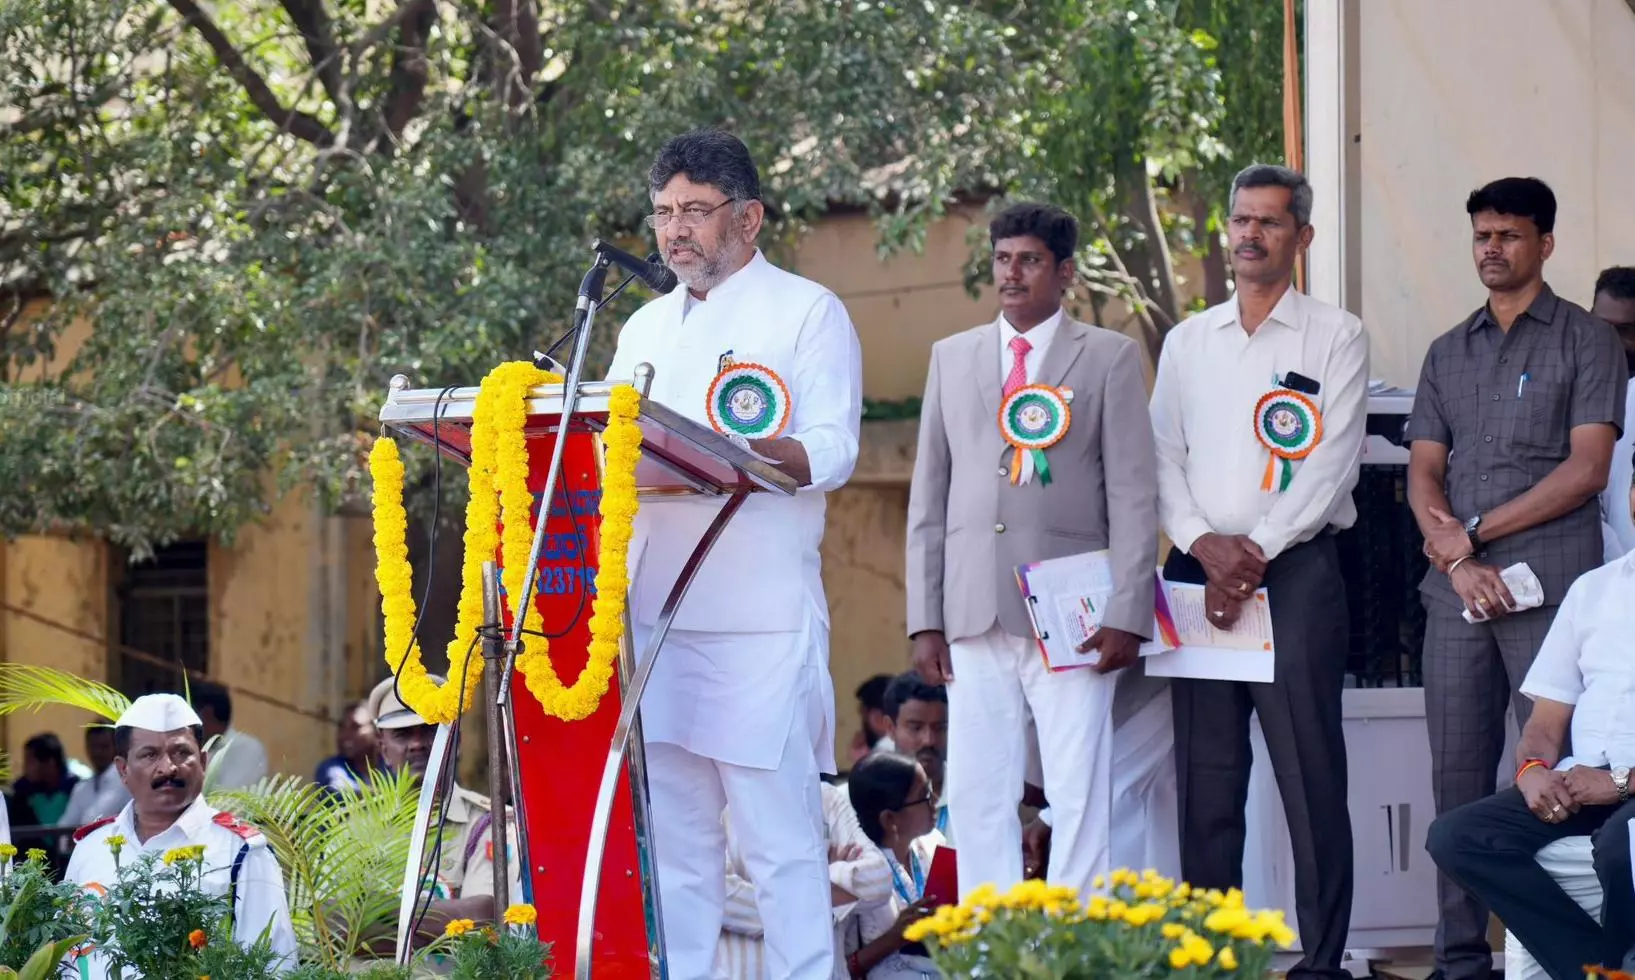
(1300, 717)
(1489, 847)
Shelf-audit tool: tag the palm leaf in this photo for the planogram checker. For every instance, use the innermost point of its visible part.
(343, 856)
(26, 687)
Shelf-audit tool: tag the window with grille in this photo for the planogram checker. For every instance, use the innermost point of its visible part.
(163, 609)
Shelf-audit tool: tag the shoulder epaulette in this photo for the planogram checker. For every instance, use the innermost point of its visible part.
(85, 831)
(227, 821)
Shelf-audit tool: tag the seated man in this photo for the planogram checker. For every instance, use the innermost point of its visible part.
(464, 886)
(917, 724)
(156, 747)
(1582, 679)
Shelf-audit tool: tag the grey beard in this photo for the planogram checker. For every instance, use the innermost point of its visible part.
(703, 279)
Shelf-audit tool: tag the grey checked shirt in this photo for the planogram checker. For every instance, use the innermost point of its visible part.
(1504, 404)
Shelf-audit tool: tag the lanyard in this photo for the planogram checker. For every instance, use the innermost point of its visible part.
(916, 874)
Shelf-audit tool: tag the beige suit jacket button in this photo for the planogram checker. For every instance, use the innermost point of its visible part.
(1003, 471)
(999, 529)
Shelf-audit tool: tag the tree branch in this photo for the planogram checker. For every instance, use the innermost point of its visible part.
(312, 19)
(410, 69)
(300, 124)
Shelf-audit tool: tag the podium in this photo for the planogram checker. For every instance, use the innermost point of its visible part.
(579, 789)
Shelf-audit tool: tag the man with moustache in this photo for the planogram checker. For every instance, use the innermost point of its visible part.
(1514, 422)
(740, 708)
(918, 713)
(1615, 303)
(979, 507)
(156, 748)
(1260, 408)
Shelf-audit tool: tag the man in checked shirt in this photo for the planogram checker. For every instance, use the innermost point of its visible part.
(1514, 422)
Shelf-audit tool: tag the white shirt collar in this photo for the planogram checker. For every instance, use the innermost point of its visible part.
(1287, 311)
(192, 820)
(1040, 336)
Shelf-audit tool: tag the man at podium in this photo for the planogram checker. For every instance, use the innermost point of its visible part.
(739, 709)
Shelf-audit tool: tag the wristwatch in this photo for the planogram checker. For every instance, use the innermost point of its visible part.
(1620, 779)
(1470, 532)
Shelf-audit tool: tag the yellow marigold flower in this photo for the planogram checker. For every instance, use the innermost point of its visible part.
(1098, 882)
(1179, 959)
(1281, 934)
(7, 852)
(115, 842)
(1198, 949)
(1227, 959)
(1226, 920)
(521, 915)
(1233, 899)
(1173, 930)
(1141, 915)
(36, 855)
(459, 927)
(193, 852)
(1096, 911)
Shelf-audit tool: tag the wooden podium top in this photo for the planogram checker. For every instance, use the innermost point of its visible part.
(679, 456)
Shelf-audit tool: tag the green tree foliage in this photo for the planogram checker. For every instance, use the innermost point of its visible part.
(269, 207)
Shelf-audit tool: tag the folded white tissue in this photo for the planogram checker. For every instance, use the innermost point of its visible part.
(1524, 588)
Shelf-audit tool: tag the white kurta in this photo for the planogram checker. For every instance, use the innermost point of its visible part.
(740, 706)
(260, 903)
(1617, 526)
(237, 761)
(743, 651)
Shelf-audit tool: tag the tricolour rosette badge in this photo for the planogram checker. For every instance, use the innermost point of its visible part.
(1289, 425)
(748, 400)
(1032, 419)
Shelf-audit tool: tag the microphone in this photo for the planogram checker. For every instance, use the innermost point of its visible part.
(545, 360)
(653, 275)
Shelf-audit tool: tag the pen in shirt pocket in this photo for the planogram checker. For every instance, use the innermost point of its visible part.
(1520, 383)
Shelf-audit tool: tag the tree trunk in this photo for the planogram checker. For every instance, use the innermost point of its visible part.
(1214, 257)
(1148, 258)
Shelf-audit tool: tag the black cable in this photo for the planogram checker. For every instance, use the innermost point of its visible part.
(445, 789)
(431, 545)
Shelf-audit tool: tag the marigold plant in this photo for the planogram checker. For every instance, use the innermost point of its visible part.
(1138, 925)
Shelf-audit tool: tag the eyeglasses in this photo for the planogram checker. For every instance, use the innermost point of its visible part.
(929, 799)
(691, 217)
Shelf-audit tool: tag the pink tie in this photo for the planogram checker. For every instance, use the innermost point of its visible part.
(1018, 378)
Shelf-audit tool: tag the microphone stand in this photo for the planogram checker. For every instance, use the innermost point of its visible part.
(500, 712)
(546, 361)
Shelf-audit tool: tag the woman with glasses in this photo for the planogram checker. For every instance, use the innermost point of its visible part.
(897, 810)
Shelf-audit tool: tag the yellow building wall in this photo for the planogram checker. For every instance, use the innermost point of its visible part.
(48, 580)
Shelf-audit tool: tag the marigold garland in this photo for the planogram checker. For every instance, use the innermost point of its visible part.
(500, 497)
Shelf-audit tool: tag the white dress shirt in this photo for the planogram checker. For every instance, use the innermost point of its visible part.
(1039, 337)
(749, 646)
(741, 954)
(1210, 463)
(1617, 526)
(1585, 661)
(102, 795)
(260, 901)
(239, 760)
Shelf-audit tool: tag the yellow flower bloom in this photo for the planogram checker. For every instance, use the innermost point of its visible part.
(498, 478)
(115, 842)
(1173, 930)
(1226, 920)
(1098, 882)
(459, 927)
(7, 852)
(35, 854)
(521, 915)
(192, 852)
(1179, 959)
(1198, 949)
(1227, 959)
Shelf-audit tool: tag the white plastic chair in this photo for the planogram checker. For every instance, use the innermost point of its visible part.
(1571, 862)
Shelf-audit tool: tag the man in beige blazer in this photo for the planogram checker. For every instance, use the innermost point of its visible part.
(972, 522)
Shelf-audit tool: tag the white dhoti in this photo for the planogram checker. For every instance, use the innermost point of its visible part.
(1146, 815)
(999, 680)
(741, 719)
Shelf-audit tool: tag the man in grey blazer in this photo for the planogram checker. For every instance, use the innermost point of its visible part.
(973, 518)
